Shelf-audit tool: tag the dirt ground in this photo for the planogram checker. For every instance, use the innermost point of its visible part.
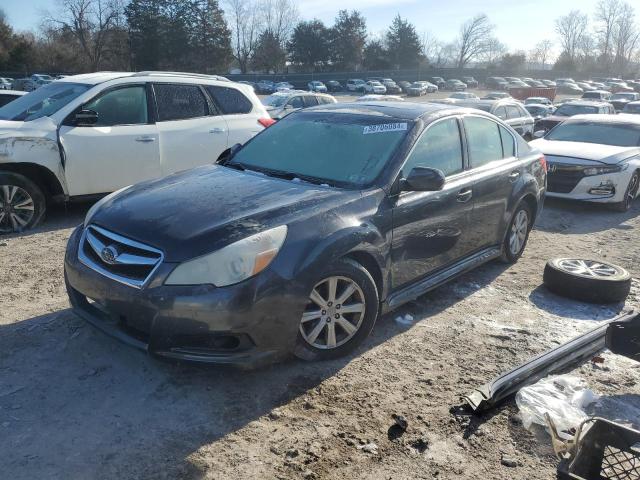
(75, 404)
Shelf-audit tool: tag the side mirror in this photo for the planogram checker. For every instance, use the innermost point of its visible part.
(539, 134)
(235, 149)
(86, 118)
(423, 179)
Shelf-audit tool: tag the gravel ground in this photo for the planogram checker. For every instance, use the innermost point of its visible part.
(75, 404)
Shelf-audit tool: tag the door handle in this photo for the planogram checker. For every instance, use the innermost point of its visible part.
(217, 130)
(513, 176)
(465, 195)
(145, 139)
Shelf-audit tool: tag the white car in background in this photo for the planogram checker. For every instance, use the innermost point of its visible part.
(92, 134)
(281, 104)
(379, 98)
(7, 96)
(375, 87)
(594, 158)
(283, 86)
(355, 85)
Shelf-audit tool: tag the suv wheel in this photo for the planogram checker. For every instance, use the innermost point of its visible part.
(630, 194)
(587, 280)
(342, 310)
(22, 203)
(517, 235)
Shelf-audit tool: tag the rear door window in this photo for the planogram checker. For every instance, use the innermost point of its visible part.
(501, 113)
(180, 102)
(508, 143)
(296, 102)
(230, 100)
(513, 112)
(310, 101)
(484, 141)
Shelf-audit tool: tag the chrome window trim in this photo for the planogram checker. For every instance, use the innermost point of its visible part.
(85, 260)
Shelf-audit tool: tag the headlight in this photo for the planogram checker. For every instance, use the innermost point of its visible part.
(591, 171)
(233, 263)
(92, 211)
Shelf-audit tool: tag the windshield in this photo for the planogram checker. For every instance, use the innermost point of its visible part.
(536, 110)
(632, 108)
(42, 102)
(275, 100)
(619, 135)
(569, 110)
(337, 149)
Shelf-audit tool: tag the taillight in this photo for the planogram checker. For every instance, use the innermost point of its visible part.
(266, 122)
(543, 163)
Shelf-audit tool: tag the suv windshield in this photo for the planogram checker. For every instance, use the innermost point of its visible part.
(43, 102)
(337, 149)
(569, 110)
(620, 135)
(632, 108)
(623, 96)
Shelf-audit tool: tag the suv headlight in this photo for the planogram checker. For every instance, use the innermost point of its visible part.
(233, 263)
(591, 171)
(92, 211)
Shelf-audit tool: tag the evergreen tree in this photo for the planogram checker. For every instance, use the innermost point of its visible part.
(309, 45)
(403, 44)
(376, 56)
(269, 55)
(348, 38)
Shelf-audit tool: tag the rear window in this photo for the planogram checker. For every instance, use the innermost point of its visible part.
(229, 99)
(569, 110)
(180, 102)
(620, 135)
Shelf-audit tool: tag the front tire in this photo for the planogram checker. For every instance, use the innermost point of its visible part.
(517, 235)
(22, 203)
(341, 312)
(629, 195)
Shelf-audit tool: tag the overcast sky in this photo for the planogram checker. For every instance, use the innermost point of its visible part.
(520, 24)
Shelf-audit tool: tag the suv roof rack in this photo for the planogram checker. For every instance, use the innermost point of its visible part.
(151, 73)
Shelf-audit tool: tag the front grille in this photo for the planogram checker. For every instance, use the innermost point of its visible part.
(118, 257)
(562, 178)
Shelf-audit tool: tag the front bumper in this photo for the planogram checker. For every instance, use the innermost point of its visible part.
(607, 188)
(250, 323)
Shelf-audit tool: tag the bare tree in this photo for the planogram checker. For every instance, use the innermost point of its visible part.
(606, 17)
(626, 38)
(246, 23)
(90, 22)
(280, 18)
(572, 29)
(542, 52)
(493, 52)
(473, 39)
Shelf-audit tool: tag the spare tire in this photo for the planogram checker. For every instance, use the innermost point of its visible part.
(590, 281)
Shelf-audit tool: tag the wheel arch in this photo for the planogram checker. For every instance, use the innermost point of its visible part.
(370, 263)
(41, 176)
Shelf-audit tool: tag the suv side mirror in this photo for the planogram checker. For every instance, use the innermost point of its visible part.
(423, 179)
(86, 118)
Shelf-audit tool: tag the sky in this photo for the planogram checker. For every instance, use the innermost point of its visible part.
(519, 24)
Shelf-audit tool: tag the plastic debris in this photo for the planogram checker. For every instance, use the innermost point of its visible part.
(405, 320)
(565, 398)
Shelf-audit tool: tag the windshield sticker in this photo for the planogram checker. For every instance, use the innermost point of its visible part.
(385, 127)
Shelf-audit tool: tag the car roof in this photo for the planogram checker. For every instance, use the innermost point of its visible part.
(609, 119)
(589, 103)
(397, 110)
(101, 77)
(472, 102)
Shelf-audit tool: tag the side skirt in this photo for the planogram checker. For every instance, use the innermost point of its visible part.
(426, 284)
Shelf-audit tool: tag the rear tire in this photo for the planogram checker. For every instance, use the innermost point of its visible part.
(517, 234)
(22, 203)
(629, 195)
(335, 321)
(587, 280)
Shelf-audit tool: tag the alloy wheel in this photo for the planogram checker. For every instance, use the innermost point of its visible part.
(588, 268)
(519, 229)
(334, 313)
(632, 191)
(17, 208)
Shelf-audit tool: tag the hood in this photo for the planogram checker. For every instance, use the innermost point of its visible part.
(199, 211)
(587, 151)
(41, 127)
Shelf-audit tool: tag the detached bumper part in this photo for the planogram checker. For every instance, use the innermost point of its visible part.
(569, 354)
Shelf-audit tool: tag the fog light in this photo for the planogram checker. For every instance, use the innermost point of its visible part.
(605, 188)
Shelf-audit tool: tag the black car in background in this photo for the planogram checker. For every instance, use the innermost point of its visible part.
(497, 83)
(300, 239)
(334, 86)
(438, 82)
(470, 81)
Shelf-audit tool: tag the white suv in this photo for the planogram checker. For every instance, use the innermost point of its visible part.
(93, 134)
